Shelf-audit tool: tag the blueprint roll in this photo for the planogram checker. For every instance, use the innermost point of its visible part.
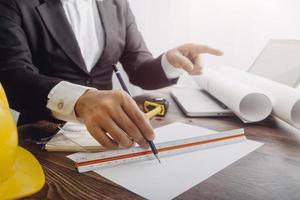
(248, 104)
(285, 99)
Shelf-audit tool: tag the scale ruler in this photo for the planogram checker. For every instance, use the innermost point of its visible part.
(91, 161)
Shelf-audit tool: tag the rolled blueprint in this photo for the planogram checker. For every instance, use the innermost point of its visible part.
(285, 99)
(248, 104)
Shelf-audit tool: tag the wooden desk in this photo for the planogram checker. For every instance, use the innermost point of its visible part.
(271, 172)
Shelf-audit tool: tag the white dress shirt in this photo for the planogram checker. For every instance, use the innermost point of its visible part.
(85, 21)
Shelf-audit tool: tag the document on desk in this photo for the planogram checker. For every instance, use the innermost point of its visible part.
(73, 137)
(176, 174)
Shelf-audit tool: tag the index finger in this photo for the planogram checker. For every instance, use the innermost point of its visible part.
(201, 49)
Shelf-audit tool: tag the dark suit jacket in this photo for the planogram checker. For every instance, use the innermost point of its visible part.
(38, 50)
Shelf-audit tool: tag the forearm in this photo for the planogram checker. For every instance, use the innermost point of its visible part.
(154, 74)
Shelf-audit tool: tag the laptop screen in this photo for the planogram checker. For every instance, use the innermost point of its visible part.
(279, 61)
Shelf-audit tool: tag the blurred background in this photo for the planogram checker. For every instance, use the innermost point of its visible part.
(239, 28)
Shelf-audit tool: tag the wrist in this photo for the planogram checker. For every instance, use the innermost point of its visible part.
(82, 102)
(170, 70)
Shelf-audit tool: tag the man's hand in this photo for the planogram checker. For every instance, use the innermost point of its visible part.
(187, 57)
(114, 119)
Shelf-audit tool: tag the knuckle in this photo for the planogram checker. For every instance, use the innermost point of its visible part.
(121, 94)
(132, 129)
(196, 57)
(122, 97)
(139, 118)
(128, 144)
(140, 121)
(94, 119)
(106, 106)
(136, 136)
(140, 140)
(89, 122)
(205, 47)
(108, 145)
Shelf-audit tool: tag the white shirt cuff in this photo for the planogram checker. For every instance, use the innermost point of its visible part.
(62, 99)
(170, 71)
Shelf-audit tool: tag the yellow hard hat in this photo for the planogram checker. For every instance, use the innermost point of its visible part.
(20, 173)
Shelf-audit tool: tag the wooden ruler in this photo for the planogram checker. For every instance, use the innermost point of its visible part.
(91, 161)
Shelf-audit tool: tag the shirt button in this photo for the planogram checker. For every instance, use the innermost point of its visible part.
(60, 105)
(88, 81)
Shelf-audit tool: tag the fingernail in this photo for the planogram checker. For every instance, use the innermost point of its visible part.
(151, 137)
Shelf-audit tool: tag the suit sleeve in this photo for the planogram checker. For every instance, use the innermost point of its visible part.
(26, 88)
(143, 70)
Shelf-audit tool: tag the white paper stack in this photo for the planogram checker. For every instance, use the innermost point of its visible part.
(73, 137)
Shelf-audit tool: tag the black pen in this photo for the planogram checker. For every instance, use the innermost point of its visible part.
(119, 77)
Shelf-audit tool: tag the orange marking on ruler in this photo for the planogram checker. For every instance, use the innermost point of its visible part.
(198, 143)
(143, 153)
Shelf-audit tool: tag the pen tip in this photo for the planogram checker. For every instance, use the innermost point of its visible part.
(158, 159)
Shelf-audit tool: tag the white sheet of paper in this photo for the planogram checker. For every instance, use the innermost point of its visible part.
(73, 137)
(176, 174)
(248, 104)
(78, 134)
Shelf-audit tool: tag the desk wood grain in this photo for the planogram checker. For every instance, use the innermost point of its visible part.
(271, 172)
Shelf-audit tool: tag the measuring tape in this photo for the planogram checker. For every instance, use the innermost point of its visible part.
(91, 161)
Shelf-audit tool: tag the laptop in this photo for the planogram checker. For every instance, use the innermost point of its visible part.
(281, 57)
